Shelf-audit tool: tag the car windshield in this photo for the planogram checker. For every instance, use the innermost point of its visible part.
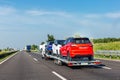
(81, 40)
(50, 43)
(61, 41)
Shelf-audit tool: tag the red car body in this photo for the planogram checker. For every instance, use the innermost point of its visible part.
(77, 47)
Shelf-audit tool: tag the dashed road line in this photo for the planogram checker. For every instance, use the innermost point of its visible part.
(8, 58)
(58, 75)
(104, 67)
(35, 59)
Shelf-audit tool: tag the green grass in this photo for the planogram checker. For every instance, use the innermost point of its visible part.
(35, 50)
(107, 46)
(102, 56)
(3, 52)
(1, 59)
(5, 57)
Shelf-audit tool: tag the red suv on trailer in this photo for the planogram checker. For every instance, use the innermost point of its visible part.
(77, 47)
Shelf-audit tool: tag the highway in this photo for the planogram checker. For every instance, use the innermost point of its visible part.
(30, 66)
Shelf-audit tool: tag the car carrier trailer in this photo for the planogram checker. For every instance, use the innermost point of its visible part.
(60, 60)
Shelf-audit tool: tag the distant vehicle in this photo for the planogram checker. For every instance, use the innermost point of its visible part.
(77, 48)
(56, 46)
(49, 47)
(28, 48)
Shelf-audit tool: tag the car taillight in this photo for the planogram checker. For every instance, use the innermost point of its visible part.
(91, 46)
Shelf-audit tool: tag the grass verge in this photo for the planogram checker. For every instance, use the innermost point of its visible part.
(6, 56)
(111, 57)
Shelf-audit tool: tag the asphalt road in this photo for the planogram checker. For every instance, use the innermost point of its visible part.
(30, 66)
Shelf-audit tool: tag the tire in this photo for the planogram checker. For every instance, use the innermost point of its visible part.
(58, 62)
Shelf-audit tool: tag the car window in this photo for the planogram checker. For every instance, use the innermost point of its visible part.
(60, 41)
(81, 40)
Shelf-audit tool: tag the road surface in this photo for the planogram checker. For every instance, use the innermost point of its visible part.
(30, 66)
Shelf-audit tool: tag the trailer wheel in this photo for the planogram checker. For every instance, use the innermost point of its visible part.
(58, 62)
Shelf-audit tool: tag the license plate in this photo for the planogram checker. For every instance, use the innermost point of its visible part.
(84, 63)
(83, 47)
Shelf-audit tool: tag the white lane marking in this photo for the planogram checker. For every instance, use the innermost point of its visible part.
(106, 67)
(8, 58)
(29, 55)
(58, 75)
(35, 59)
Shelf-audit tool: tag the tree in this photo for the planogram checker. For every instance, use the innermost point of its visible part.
(76, 35)
(42, 43)
(34, 47)
(0, 50)
(50, 38)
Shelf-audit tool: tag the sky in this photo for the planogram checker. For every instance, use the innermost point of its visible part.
(26, 22)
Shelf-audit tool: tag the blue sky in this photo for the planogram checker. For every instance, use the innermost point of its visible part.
(25, 22)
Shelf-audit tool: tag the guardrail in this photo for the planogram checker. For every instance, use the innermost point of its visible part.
(112, 54)
(108, 52)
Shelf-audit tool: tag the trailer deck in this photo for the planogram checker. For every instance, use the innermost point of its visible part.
(60, 60)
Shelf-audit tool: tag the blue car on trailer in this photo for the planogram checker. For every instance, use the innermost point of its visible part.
(49, 47)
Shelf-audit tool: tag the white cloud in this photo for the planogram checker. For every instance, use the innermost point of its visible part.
(93, 16)
(55, 19)
(41, 13)
(113, 15)
(4, 10)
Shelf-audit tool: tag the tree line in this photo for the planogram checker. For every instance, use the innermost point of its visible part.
(105, 40)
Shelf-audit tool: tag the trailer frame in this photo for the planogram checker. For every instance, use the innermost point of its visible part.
(60, 60)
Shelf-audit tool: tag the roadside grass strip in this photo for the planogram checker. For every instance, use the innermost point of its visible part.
(7, 58)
